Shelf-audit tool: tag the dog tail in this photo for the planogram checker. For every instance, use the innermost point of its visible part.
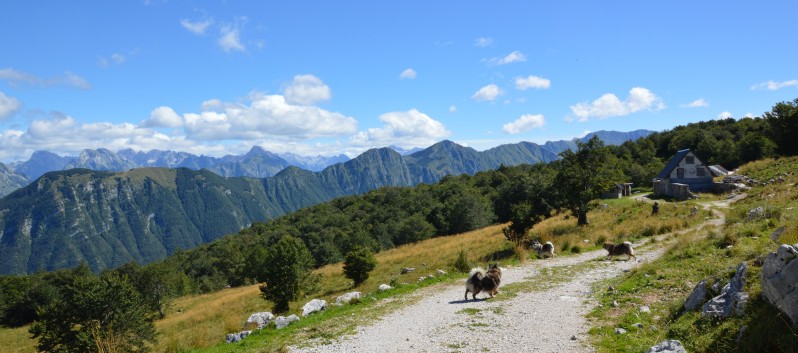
(476, 273)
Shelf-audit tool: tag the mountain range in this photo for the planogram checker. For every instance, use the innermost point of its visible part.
(143, 214)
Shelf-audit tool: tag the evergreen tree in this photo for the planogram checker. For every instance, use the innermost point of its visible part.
(288, 273)
(95, 314)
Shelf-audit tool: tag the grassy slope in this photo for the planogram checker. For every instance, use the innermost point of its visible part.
(711, 254)
(202, 321)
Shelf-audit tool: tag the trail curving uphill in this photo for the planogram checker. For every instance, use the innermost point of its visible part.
(547, 320)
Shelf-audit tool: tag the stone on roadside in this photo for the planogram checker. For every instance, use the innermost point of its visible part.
(282, 321)
(346, 298)
(314, 306)
(669, 346)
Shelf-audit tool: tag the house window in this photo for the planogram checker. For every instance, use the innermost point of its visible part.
(689, 159)
(700, 171)
(680, 173)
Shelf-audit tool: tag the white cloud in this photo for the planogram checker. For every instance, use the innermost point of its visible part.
(515, 56)
(610, 105)
(724, 115)
(230, 39)
(118, 58)
(163, 117)
(408, 74)
(452, 109)
(531, 81)
(525, 123)
(774, 85)
(73, 80)
(404, 129)
(749, 115)
(487, 93)
(483, 42)
(307, 90)
(197, 27)
(698, 103)
(211, 104)
(8, 106)
(267, 116)
(14, 77)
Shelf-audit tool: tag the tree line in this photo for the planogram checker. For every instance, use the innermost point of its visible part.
(76, 305)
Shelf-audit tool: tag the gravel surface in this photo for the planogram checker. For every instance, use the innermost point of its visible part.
(549, 320)
(539, 321)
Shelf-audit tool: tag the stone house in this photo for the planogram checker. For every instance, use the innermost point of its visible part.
(683, 174)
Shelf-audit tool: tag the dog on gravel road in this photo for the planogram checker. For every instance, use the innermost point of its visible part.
(479, 281)
(624, 248)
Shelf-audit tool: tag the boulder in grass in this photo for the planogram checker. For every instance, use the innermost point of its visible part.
(732, 299)
(259, 320)
(346, 298)
(384, 287)
(282, 321)
(780, 280)
(669, 346)
(698, 297)
(235, 337)
(314, 306)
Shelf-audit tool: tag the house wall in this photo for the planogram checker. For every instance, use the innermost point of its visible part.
(691, 177)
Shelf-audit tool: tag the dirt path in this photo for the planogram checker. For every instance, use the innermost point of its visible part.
(550, 320)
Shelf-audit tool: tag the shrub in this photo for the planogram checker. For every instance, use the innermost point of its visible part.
(461, 264)
(359, 263)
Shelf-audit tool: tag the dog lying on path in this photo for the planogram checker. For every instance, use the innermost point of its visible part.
(479, 280)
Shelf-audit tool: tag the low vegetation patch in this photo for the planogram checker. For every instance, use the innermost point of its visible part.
(649, 302)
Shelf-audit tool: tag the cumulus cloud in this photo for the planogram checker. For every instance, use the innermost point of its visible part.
(487, 93)
(515, 56)
(609, 105)
(230, 39)
(698, 103)
(483, 42)
(163, 117)
(404, 129)
(531, 81)
(725, 115)
(408, 74)
(774, 85)
(525, 123)
(197, 27)
(211, 104)
(307, 90)
(267, 116)
(8, 106)
(15, 77)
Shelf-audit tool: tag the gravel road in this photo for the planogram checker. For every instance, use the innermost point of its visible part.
(549, 320)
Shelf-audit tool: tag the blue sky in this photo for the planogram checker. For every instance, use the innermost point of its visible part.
(323, 77)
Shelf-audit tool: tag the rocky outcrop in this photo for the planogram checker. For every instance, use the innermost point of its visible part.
(780, 278)
(732, 298)
(259, 320)
(346, 298)
(314, 306)
(669, 346)
(697, 297)
(282, 321)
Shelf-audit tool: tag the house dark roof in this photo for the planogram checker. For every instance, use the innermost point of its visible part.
(673, 163)
(718, 170)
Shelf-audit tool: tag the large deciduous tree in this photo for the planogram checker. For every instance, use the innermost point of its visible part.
(782, 122)
(288, 273)
(583, 175)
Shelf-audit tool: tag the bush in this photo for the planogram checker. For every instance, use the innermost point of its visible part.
(359, 263)
(462, 264)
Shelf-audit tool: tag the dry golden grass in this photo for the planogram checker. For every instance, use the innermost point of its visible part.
(16, 340)
(204, 320)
